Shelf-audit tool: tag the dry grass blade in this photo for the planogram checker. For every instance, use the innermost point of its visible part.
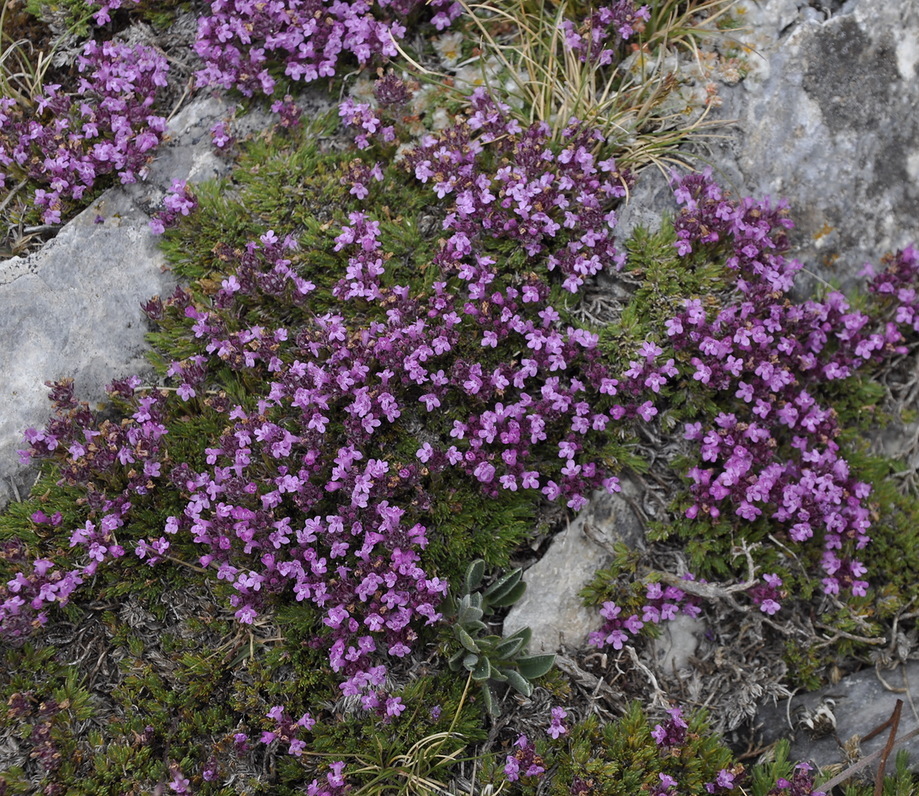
(522, 46)
(882, 753)
(416, 771)
(22, 70)
(413, 771)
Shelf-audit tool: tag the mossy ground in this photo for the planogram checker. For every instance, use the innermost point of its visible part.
(146, 669)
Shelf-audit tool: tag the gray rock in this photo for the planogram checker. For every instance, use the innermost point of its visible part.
(73, 309)
(858, 704)
(551, 607)
(678, 642)
(828, 120)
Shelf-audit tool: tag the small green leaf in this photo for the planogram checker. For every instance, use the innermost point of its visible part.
(474, 574)
(482, 671)
(525, 633)
(518, 682)
(510, 597)
(533, 666)
(509, 647)
(468, 614)
(498, 675)
(470, 661)
(490, 704)
(465, 639)
(455, 662)
(503, 585)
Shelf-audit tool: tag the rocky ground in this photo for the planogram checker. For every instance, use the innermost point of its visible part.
(826, 117)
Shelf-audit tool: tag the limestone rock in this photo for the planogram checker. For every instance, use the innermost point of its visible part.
(677, 644)
(73, 309)
(830, 123)
(858, 704)
(551, 607)
(825, 119)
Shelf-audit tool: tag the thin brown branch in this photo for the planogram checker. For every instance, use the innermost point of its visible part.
(894, 722)
(852, 770)
(838, 634)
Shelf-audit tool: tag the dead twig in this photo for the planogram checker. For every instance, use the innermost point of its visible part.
(13, 191)
(867, 761)
(887, 686)
(838, 634)
(894, 723)
(660, 696)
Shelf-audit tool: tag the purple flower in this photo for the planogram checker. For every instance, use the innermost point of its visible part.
(557, 727)
(394, 706)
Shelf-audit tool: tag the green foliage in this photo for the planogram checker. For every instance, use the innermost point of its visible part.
(857, 401)
(293, 186)
(762, 777)
(806, 665)
(466, 526)
(894, 548)
(416, 753)
(290, 183)
(607, 581)
(173, 688)
(491, 659)
(664, 281)
(195, 684)
(74, 16)
(622, 758)
(70, 15)
(660, 282)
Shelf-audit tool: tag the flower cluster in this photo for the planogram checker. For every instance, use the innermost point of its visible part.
(801, 784)
(287, 730)
(240, 41)
(103, 15)
(335, 784)
(121, 462)
(775, 454)
(179, 782)
(363, 116)
(365, 379)
(766, 596)
(40, 719)
(109, 126)
(496, 444)
(221, 138)
(616, 630)
(288, 112)
(26, 596)
(661, 604)
(180, 201)
(672, 732)
(301, 493)
(897, 284)
(524, 762)
(597, 38)
(557, 725)
(557, 206)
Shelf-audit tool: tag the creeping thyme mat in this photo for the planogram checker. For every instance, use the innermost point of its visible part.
(281, 566)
